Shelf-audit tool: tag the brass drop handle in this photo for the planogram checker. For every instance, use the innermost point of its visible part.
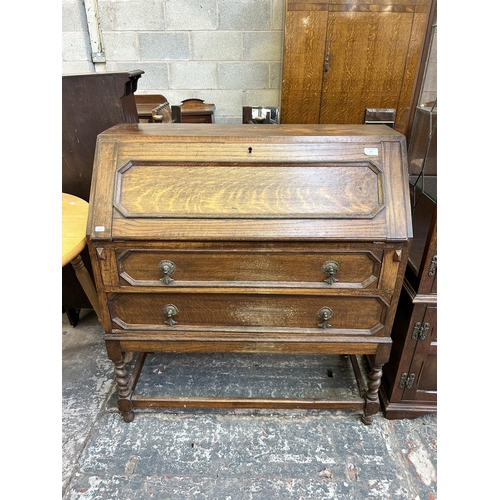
(325, 313)
(170, 310)
(167, 267)
(330, 267)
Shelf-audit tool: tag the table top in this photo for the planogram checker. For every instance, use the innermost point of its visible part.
(74, 225)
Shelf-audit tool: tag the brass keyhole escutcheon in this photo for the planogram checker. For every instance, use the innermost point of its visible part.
(167, 267)
(325, 313)
(330, 267)
(170, 310)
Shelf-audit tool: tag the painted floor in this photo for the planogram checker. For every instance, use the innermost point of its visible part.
(234, 454)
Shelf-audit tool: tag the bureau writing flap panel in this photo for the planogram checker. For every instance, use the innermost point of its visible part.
(239, 182)
(265, 190)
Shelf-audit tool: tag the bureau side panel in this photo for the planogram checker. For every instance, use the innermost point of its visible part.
(99, 224)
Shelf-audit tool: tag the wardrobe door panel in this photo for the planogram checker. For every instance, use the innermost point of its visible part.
(367, 53)
(303, 60)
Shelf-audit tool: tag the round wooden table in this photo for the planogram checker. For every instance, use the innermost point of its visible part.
(74, 225)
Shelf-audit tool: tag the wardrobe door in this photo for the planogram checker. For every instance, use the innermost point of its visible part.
(343, 56)
(367, 53)
(303, 59)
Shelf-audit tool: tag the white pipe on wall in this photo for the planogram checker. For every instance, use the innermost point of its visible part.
(96, 45)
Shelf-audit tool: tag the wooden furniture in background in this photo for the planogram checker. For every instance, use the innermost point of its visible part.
(341, 58)
(232, 238)
(91, 103)
(409, 383)
(260, 114)
(74, 240)
(193, 111)
(146, 103)
(380, 116)
(162, 114)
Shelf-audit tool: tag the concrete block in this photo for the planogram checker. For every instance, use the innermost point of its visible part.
(164, 46)
(132, 15)
(245, 15)
(267, 97)
(155, 75)
(177, 96)
(193, 75)
(216, 46)
(278, 14)
(76, 46)
(76, 67)
(244, 75)
(191, 14)
(120, 46)
(73, 16)
(275, 74)
(262, 45)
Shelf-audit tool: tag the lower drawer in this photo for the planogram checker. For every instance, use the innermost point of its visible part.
(347, 315)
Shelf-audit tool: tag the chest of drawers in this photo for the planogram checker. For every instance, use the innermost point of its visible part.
(241, 238)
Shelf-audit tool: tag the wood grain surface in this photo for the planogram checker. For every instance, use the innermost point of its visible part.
(344, 56)
(74, 223)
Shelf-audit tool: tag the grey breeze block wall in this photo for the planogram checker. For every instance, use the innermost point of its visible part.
(226, 52)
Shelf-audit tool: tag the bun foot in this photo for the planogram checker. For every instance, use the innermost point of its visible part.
(128, 416)
(367, 420)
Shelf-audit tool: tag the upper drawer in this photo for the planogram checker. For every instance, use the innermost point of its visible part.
(194, 268)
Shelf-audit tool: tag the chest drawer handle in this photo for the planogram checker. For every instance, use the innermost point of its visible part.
(170, 310)
(325, 313)
(330, 267)
(167, 267)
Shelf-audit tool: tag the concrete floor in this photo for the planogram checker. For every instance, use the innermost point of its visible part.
(169, 454)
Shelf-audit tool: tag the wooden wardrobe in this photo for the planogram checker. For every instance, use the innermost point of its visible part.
(343, 56)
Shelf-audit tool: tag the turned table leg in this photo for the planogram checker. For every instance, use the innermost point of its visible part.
(124, 391)
(86, 281)
(371, 395)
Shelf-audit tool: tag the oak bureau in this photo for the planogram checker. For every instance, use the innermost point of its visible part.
(249, 238)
